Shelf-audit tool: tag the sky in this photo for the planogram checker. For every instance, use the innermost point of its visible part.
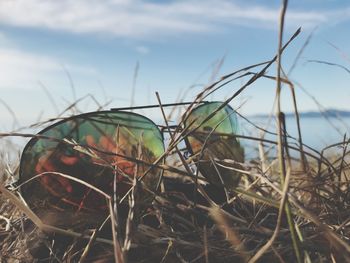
(53, 53)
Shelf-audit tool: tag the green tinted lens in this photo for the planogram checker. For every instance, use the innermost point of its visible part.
(215, 139)
(96, 156)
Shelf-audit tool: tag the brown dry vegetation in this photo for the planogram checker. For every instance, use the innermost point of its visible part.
(196, 223)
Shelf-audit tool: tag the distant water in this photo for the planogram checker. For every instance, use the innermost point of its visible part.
(317, 132)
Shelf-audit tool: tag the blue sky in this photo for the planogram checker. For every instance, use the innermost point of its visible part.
(176, 43)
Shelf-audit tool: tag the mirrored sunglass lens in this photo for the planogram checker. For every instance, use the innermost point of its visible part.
(214, 139)
(96, 149)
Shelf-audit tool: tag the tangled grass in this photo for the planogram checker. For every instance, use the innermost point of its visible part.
(189, 222)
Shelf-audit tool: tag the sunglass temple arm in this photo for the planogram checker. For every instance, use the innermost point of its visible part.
(156, 106)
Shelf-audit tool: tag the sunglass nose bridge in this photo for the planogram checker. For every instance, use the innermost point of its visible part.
(187, 154)
(164, 127)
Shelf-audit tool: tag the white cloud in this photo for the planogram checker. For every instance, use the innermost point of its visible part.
(142, 50)
(22, 69)
(139, 18)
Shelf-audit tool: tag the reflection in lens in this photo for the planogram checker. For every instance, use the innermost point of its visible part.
(101, 140)
(215, 140)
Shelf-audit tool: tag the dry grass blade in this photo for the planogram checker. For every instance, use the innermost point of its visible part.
(8, 108)
(133, 88)
(93, 237)
(301, 51)
(329, 64)
(50, 97)
(284, 177)
(118, 252)
(231, 235)
(71, 82)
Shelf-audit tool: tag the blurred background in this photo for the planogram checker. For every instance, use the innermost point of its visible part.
(116, 53)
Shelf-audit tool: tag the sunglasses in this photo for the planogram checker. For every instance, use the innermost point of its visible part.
(65, 167)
